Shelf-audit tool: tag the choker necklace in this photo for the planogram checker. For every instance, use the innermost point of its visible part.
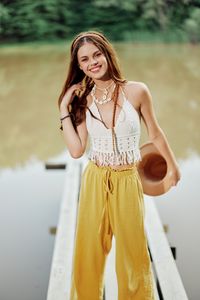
(102, 89)
(105, 94)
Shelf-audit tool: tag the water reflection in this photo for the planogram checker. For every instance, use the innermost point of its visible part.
(30, 201)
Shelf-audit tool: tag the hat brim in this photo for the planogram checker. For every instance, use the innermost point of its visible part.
(153, 171)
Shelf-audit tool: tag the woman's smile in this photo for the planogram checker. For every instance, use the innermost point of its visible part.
(95, 69)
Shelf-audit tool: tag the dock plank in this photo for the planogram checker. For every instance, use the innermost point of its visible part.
(165, 267)
(59, 284)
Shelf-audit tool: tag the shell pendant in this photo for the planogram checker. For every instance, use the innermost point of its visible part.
(104, 99)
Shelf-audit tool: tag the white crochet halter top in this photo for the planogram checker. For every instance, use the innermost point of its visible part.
(127, 136)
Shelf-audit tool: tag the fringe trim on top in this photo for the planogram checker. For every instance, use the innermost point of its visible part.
(112, 158)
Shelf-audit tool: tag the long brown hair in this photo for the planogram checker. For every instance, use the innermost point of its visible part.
(75, 74)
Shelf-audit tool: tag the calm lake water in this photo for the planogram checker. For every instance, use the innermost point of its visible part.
(31, 78)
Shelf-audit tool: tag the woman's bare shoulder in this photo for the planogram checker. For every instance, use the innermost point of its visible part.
(135, 86)
(135, 92)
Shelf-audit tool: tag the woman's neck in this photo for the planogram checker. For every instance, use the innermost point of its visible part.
(103, 84)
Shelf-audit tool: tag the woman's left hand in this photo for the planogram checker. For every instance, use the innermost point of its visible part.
(174, 175)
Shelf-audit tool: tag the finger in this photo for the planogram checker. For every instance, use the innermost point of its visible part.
(175, 183)
(76, 86)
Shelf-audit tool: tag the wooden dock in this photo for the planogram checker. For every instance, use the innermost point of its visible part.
(168, 284)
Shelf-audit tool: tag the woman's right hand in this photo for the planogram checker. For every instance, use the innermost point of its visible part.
(68, 97)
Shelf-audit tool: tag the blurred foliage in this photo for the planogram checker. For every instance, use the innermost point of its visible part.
(192, 25)
(24, 20)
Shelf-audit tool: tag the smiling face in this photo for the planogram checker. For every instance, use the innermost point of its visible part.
(92, 62)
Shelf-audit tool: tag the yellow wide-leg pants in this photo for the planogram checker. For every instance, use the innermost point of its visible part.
(111, 203)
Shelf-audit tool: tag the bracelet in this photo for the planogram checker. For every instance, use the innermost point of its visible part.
(61, 119)
(67, 116)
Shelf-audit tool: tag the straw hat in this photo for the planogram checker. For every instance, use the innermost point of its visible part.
(153, 171)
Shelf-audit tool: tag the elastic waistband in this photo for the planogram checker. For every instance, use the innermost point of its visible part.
(126, 170)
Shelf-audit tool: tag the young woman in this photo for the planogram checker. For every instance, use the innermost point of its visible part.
(98, 102)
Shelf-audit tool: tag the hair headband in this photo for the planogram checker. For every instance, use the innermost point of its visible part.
(88, 34)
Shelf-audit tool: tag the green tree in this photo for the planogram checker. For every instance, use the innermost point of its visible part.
(25, 20)
(192, 25)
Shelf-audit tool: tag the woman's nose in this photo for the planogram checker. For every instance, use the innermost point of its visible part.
(93, 61)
